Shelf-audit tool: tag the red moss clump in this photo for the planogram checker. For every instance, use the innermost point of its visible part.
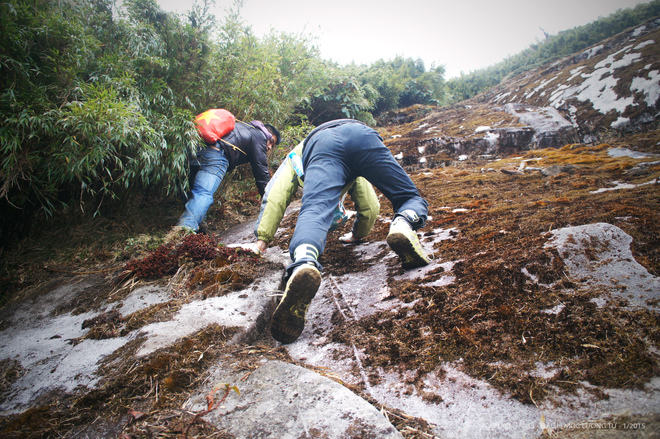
(156, 264)
(166, 258)
(198, 247)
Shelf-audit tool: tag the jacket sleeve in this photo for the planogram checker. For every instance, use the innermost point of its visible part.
(277, 196)
(367, 206)
(259, 164)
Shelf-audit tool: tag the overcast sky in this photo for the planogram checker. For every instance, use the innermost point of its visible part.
(462, 35)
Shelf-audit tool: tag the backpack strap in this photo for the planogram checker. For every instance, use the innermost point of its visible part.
(236, 148)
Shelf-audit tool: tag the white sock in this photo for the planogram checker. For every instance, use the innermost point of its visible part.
(305, 251)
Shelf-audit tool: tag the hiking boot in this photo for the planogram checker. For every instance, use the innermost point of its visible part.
(289, 316)
(405, 243)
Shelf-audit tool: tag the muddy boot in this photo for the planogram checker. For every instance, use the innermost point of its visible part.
(405, 243)
(289, 316)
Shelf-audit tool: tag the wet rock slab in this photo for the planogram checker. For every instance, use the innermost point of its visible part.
(54, 355)
(282, 400)
(599, 255)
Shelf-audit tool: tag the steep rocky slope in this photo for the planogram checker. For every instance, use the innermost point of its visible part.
(610, 89)
(539, 312)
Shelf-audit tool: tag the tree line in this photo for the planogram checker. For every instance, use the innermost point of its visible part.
(98, 101)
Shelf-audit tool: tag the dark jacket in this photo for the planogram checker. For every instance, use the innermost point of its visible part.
(247, 144)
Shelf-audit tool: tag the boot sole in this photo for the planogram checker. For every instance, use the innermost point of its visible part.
(289, 316)
(402, 246)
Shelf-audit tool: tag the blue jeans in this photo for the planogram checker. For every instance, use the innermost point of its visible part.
(334, 156)
(213, 167)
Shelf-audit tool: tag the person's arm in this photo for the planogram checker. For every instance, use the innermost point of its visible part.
(277, 196)
(259, 164)
(367, 206)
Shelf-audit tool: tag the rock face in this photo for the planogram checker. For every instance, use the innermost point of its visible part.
(614, 268)
(282, 400)
(548, 125)
(612, 86)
